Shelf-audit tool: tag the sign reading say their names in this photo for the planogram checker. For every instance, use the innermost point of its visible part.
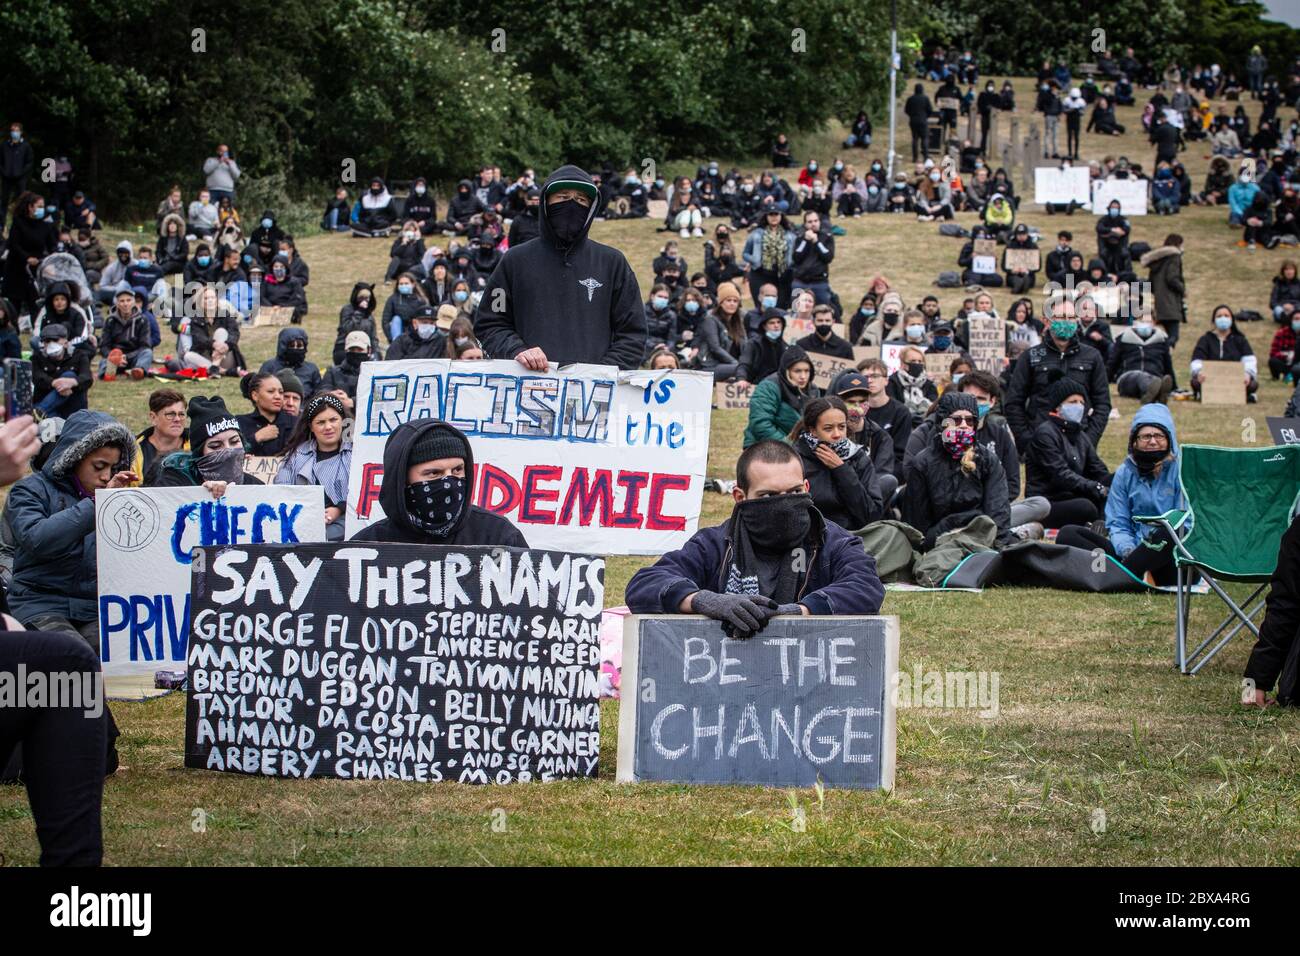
(144, 540)
(580, 458)
(396, 662)
(807, 699)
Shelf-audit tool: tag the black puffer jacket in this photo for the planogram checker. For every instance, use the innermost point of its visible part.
(476, 525)
(993, 435)
(308, 373)
(352, 318)
(848, 495)
(1061, 463)
(941, 496)
(1025, 403)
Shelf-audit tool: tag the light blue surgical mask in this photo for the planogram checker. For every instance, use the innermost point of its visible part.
(39, 213)
(659, 302)
(460, 295)
(1144, 330)
(773, 334)
(425, 330)
(1295, 325)
(769, 301)
(984, 408)
(915, 331)
(1223, 322)
(692, 307)
(1073, 412)
(867, 313)
(204, 261)
(957, 377)
(15, 135)
(267, 223)
(404, 288)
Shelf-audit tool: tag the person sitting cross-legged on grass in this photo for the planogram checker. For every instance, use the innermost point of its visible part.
(776, 555)
(1145, 484)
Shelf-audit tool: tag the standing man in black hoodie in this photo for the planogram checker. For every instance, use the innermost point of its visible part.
(918, 112)
(527, 225)
(427, 489)
(565, 298)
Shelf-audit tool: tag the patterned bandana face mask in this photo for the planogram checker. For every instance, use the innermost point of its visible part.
(435, 506)
(957, 439)
(843, 447)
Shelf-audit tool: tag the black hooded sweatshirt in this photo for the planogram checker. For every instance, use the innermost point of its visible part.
(308, 372)
(580, 303)
(464, 203)
(352, 318)
(476, 526)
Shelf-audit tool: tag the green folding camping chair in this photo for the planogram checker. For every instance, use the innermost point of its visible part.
(1239, 502)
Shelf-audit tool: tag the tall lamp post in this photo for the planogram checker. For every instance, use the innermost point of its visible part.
(893, 79)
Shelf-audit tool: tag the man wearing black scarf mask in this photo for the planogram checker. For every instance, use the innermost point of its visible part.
(564, 298)
(428, 487)
(776, 555)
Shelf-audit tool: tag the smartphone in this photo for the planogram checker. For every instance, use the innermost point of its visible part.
(18, 388)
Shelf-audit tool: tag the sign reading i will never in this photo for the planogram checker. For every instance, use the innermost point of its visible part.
(395, 662)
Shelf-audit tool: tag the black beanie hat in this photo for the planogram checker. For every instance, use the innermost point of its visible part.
(209, 417)
(290, 381)
(1062, 389)
(436, 443)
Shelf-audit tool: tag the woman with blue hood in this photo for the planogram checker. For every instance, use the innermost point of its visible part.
(1146, 483)
(52, 513)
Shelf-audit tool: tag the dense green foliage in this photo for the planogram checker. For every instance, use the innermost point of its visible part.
(1017, 37)
(138, 92)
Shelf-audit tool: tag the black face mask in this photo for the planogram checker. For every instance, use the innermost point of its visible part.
(824, 331)
(353, 360)
(568, 219)
(1146, 459)
(435, 506)
(777, 523)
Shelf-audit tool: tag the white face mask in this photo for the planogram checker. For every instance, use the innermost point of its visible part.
(419, 190)
(53, 349)
(409, 236)
(425, 331)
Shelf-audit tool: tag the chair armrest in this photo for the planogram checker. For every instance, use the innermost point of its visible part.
(1173, 518)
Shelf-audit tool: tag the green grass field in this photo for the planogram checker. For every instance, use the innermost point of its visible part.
(1093, 715)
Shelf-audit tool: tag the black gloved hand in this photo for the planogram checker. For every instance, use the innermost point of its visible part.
(741, 615)
(795, 609)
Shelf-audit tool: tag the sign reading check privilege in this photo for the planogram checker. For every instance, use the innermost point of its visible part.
(143, 543)
(395, 662)
(806, 699)
(580, 458)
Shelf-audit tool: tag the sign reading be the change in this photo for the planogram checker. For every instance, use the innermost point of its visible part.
(395, 662)
(808, 699)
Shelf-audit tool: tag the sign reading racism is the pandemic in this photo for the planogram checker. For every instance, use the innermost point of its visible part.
(580, 458)
(395, 662)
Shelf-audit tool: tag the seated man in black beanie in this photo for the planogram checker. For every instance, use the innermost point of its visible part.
(427, 490)
(756, 566)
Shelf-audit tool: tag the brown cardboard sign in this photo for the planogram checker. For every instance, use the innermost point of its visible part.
(1224, 384)
(731, 396)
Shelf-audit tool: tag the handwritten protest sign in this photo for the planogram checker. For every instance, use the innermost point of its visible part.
(583, 458)
(890, 353)
(1225, 383)
(396, 662)
(1061, 187)
(273, 315)
(826, 367)
(862, 352)
(806, 700)
(143, 544)
(263, 467)
(1131, 193)
(1285, 431)
(938, 363)
(947, 103)
(986, 335)
(1027, 259)
(731, 396)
